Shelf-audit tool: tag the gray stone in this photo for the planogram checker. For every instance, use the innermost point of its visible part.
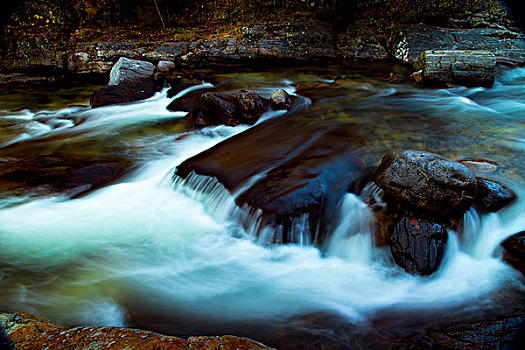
(427, 181)
(127, 71)
(361, 43)
(457, 66)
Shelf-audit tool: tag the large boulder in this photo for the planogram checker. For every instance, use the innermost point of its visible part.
(418, 245)
(492, 196)
(127, 71)
(427, 181)
(515, 250)
(467, 67)
(285, 176)
(130, 80)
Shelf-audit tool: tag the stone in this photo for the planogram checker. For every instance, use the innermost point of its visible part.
(126, 71)
(515, 250)
(26, 331)
(303, 171)
(492, 196)
(361, 42)
(220, 109)
(467, 67)
(250, 106)
(418, 245)
(165, 66)
(280, 99)
(124, 93)
(427, 181)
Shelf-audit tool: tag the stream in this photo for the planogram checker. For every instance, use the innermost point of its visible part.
(152, 251)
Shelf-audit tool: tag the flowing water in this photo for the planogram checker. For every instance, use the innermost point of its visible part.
(171, 255)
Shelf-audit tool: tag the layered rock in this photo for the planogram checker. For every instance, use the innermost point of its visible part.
(465, 67)
(25, 331)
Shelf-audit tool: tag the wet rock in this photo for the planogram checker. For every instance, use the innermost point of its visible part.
(220, 109)
(62, 173)
(427, 181)
(515, 251)
(492, 196)
(165, 66)
(133, 91)
(30, 332)
(280, 99)
(465, 67)
(250, 105)
(304, 171)
(418, 245)
(126, 71)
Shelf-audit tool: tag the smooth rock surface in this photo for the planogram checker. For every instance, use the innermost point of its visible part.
(280, 99)
(418, 245)
(427, 181)
(466, 67)
(127, 71)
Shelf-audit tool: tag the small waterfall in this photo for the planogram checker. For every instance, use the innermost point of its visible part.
(352, 238)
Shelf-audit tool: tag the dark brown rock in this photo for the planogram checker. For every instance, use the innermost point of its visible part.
(114, 94)
(418, 245)
(224, 342)
(493, 196)
(515, 250)
(280, 99)
(427, 181)
(220, 109)
(305, 170)
(250, 105)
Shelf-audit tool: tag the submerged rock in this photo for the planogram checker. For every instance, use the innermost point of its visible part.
(515, 251)
(25, 331)
(418, 245)
(427, 181)
(492, 196)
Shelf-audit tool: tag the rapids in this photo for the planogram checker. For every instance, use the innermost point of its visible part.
(172, 255)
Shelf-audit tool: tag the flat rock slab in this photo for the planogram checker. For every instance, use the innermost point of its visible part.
(468, 67)
(304, 169)
(25, 331)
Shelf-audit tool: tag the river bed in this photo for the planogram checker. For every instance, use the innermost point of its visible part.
(147, 251)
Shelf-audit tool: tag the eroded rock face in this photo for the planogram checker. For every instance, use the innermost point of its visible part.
(427, 181)
(492, 196)
(418, 245)
(25, 331)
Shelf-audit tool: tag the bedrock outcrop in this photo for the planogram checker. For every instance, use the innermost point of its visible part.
(24, 331)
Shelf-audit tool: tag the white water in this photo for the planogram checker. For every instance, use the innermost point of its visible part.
(147, 245)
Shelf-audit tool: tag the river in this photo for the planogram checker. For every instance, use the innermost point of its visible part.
(151, 251)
